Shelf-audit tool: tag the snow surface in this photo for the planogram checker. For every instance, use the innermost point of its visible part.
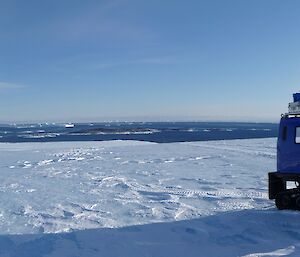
(126, 198)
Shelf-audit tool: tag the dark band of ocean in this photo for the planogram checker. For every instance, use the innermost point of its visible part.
(159, 132)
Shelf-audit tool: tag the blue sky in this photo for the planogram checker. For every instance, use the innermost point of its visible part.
(70, 60)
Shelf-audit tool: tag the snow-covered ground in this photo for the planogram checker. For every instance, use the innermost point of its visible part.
(142, 199)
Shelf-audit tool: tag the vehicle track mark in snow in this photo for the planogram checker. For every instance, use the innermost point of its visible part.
(225, 147)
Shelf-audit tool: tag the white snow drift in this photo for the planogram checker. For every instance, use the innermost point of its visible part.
(142, 199)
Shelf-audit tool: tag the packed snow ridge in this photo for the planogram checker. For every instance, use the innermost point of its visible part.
(126, 198)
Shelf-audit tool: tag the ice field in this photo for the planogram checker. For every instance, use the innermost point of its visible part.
(127, 198)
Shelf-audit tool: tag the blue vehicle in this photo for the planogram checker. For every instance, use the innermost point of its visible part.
(288, 160)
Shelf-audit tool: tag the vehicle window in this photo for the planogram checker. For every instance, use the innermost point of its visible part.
(284, 133)
(297, 139)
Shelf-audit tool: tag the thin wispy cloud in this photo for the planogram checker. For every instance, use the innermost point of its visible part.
(143, 61)
(10, 86)
(156, 60)
(91, 62)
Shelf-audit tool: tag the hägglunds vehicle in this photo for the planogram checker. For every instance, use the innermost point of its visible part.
(288, 160)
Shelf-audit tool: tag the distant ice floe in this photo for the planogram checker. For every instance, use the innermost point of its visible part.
(280, 252)
(209, 130)
(35, 135)
(4, 132)
(101, 131)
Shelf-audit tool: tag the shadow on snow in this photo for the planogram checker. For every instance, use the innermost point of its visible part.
(237, 233)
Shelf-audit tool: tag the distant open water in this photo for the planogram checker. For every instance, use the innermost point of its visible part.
(160, 132)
